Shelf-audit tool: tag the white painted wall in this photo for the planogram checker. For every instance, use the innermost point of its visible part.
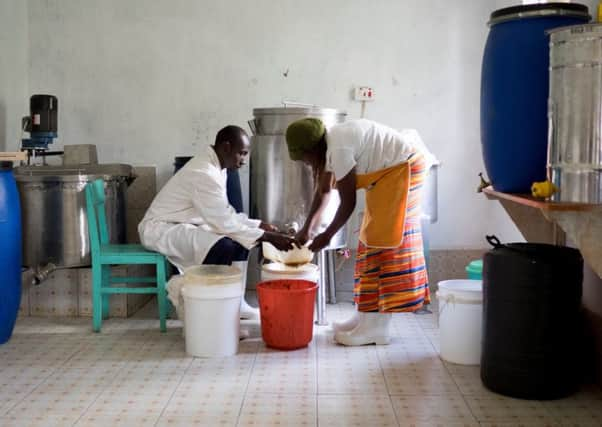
(13, 71)
(148, 80)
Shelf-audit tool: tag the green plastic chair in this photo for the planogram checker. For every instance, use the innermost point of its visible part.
(105, 254)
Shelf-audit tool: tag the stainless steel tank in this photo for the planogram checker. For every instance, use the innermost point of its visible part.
(575, 113)
(281, 189)
(53, 205)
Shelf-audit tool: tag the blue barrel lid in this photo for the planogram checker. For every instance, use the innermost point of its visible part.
(540, 10)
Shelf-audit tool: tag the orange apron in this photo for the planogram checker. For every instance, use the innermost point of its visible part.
(386, 201)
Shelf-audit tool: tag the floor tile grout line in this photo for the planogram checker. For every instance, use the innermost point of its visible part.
(10, 408)
(174, 391)
(387, 388)
(55, 371)
(318, 381)
(462, 394)
(451, 376)
(244, 396)
(105, 388)
(52, 372)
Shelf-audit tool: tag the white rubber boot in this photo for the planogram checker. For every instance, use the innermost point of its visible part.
(373, 328)
(247, 312)
(348, 324)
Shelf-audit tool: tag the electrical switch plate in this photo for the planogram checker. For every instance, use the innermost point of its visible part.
(364, 93)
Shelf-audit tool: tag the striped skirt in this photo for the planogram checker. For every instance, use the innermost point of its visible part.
(395, 280)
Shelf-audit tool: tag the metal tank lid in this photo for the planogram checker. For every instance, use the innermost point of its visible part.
(560, 33)
(296, 110)
(72, 172)
(539, 10)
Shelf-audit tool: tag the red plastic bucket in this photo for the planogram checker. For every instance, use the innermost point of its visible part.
(287, 312)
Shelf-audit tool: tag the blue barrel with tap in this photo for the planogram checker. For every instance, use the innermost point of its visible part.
(514, 91)
(10, 251)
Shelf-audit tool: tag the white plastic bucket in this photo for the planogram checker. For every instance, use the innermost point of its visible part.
(211, 296)
(276, 271)
(460, 320)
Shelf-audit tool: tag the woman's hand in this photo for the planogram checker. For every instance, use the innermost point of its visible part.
(320, 242)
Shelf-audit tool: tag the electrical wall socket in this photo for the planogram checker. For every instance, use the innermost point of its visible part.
(364, 93)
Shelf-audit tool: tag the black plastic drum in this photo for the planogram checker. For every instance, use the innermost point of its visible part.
(531, 320)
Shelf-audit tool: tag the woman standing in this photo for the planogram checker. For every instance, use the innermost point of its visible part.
(390, 270)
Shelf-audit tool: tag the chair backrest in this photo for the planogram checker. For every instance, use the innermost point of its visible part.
(97, 221)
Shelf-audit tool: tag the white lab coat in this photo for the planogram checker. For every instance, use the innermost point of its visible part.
(191, 213)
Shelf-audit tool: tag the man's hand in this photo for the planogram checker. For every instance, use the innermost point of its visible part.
(268, 227)
(320, 242)
(280, 241)
(302, 236)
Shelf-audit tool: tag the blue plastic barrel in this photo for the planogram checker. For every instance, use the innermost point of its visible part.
(514, 92)
(10, 251)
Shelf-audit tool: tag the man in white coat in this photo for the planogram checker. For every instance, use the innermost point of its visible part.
(191, 221)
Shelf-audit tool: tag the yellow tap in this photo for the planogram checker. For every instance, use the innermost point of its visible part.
(543, 189)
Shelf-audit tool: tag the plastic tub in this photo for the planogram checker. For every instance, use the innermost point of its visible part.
(287, 312)
(474, 270)
(211, 296)
(460, 320)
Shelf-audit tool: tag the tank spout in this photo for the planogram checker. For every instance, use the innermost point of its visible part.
(41, 273)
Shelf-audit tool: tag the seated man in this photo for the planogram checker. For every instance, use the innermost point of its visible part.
(191, 221)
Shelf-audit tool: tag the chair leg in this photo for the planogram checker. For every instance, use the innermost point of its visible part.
(106, 283)
(96, 297)
(161, 294)
(170, 310)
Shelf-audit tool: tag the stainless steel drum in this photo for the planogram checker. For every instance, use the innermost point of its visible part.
(53, 205)
(575, 113)
(281, 189)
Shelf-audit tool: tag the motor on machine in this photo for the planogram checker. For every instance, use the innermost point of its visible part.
(42, 125)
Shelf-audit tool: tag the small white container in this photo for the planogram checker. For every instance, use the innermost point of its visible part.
(211, 296)
(276, 271)
(460, 320)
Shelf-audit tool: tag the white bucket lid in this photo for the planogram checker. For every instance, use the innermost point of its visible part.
(468, 290)
(279, 268)
(212, 282)
(212, 274)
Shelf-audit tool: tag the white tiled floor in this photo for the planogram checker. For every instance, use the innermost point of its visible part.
(56, 372)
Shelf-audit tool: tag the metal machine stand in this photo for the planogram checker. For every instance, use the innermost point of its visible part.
(321, 302)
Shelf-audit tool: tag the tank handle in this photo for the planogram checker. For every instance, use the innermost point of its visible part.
(286, 103)
(494, 241)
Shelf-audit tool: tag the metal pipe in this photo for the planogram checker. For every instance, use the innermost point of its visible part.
(41, 273)
(332, 290)
(321, 303)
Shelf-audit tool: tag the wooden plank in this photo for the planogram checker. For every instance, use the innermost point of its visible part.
(528, 200)
(12, 156)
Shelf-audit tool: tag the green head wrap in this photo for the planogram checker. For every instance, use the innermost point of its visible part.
(303, 135)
